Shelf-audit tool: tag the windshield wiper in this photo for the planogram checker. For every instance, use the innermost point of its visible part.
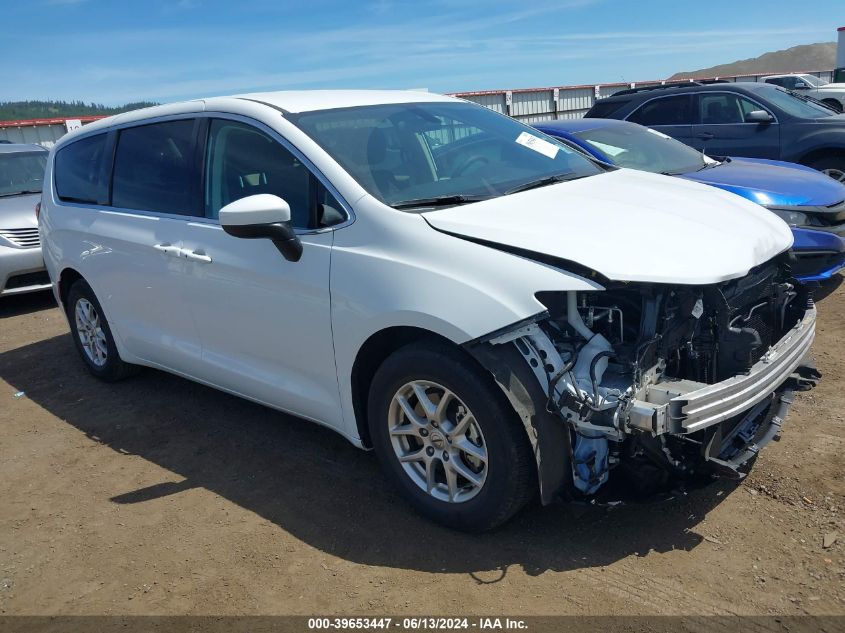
(542, 182)
(709, 165)
(438, 201)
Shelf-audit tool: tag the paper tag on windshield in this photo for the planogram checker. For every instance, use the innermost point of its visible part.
(537, 144)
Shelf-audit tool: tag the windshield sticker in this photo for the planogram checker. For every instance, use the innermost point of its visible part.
(537, 144)
(660, 134)
(610, 150)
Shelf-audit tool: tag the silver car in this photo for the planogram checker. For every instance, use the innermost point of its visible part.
(21, 175)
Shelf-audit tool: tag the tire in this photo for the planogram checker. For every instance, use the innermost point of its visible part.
(478, 419)
(833, 166)
(833, 103)
(100, 356)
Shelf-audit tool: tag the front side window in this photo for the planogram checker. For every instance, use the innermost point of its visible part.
(79, 171)
(244, 161)
(22, 172)
(153, 168)
(414, 155)
(722, 108)
(676, 110)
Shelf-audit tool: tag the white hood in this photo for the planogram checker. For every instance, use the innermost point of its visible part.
(629, 226)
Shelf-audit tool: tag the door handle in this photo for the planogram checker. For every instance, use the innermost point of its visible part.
(168, 249)
(705, 136)
(198, 257)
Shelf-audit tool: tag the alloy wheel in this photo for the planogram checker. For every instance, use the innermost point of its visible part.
(437, 441)
(836, 174)
(90, 332)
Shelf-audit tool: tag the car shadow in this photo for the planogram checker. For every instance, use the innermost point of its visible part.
(16, 305)
(827, 287)
(315, 485)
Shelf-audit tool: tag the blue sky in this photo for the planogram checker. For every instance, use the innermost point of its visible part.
(166, 50)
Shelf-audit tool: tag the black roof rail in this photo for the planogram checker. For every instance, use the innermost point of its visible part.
(674, 84)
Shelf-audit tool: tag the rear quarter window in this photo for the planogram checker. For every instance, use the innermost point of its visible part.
(79, 171)
(604, 109)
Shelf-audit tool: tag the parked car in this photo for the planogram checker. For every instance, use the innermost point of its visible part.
(831, 94)
(494, 313)
(754, 120)
(801, 196)
(21, 177)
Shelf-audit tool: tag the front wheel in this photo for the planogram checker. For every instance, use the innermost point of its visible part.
(448, 438)
(833, 166)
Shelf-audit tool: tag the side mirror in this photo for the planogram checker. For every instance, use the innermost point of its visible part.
(801, 87)
(758, 116)
(262, 216)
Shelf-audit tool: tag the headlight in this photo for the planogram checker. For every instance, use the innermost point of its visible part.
(792, 218)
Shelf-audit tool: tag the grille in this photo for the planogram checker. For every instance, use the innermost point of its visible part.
(28, 279)
(761, 322)
(24, 238)
(808, 263)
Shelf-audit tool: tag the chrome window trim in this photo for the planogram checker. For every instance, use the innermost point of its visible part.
(346, 207)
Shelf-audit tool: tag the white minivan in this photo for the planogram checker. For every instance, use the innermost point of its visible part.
(494, 313)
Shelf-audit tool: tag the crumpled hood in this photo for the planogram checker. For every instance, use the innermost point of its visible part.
(18, 212)
(772, 182)
(629, 226)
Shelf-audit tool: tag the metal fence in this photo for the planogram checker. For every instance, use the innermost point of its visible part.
(531, 105)
(44, 132)
(528, 105)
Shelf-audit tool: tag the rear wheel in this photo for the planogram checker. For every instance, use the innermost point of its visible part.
(833, 166)
(92, 335)
(448, 438)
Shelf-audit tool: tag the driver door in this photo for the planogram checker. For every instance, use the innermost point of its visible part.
(722, 130)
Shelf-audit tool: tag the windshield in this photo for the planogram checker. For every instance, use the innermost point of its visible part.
(641, 148)
(813, 80)
(415, 155)
(22, 172)
(796, 106)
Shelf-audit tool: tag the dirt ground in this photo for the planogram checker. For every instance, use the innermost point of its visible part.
(160, 496)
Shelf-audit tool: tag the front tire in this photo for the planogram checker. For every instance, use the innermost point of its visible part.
(448, 438)
(833, 166)
(92, 335)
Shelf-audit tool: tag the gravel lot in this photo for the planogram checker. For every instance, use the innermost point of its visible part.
(160, 496)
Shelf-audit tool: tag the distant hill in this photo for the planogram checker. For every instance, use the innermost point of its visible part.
(18, 110)
(820, 56)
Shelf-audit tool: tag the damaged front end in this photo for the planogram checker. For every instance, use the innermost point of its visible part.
(657, 380)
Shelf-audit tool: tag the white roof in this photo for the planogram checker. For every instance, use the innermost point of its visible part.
(309, 100)
(289, 100)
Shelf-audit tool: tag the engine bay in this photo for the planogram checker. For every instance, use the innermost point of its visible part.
(624, 368)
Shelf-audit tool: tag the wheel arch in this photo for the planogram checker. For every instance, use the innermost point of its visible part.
(833, 103)
(374, 351)
(822, 152)
(67, 278)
